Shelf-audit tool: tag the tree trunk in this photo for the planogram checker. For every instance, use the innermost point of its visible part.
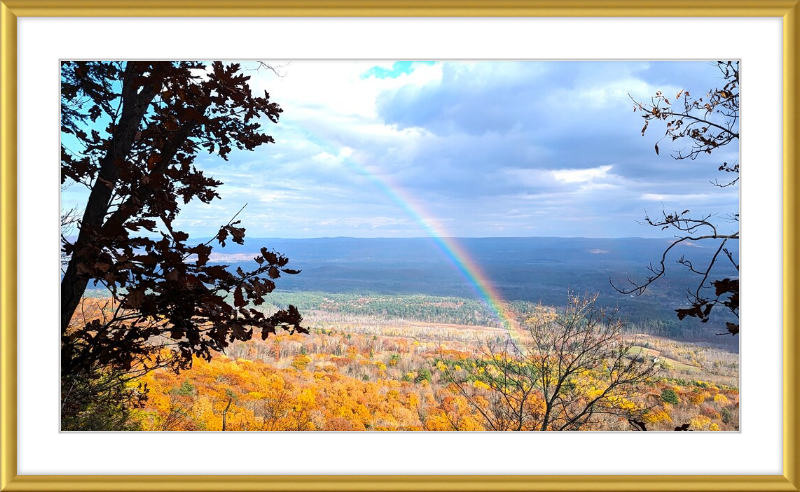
(225, 415)
(135, 100)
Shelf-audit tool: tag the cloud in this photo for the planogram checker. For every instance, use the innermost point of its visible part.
(480, 148)
(470, 141)
(581, 175)
(653, 197)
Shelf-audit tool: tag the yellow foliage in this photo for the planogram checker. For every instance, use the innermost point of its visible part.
(701, 422)
(481, 385)
(655, 417)
(306, 398)
(326, 392)
(438, 422)
(300, 362)
(621, 403)
(697, 398)
(706, 384)
(470, 423)
(720, 398)
(203, 412)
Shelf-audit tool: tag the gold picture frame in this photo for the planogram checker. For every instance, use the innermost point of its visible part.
(10, 10)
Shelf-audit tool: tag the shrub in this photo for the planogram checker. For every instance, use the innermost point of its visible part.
(186, 389)
(423, 375)
(669, 396)
(726, 415)
(697, 397)
(300, 362)
(720, 398)
(700, 423)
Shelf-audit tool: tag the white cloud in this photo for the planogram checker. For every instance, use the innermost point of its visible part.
(657, 197)
(581, 175)
(337, 86)
(325, 157)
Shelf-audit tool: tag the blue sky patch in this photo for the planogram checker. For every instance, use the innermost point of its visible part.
(398, 68)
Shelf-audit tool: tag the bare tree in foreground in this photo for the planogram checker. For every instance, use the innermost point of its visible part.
(570, 371)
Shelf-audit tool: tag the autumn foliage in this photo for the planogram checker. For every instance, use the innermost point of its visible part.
(343, 378)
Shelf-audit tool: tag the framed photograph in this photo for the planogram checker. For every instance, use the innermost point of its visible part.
(468, 196)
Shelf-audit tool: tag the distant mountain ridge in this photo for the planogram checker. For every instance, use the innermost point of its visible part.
(533, 269)
(486, 249)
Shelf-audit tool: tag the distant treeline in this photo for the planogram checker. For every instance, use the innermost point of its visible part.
(465, 311)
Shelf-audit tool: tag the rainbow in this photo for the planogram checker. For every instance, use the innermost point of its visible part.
(447, 245)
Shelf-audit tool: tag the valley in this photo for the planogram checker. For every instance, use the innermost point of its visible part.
(375, 363)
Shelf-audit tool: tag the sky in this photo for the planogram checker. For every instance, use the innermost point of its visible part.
(462, 149)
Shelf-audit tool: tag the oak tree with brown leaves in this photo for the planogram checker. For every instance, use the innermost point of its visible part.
(131, 132)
